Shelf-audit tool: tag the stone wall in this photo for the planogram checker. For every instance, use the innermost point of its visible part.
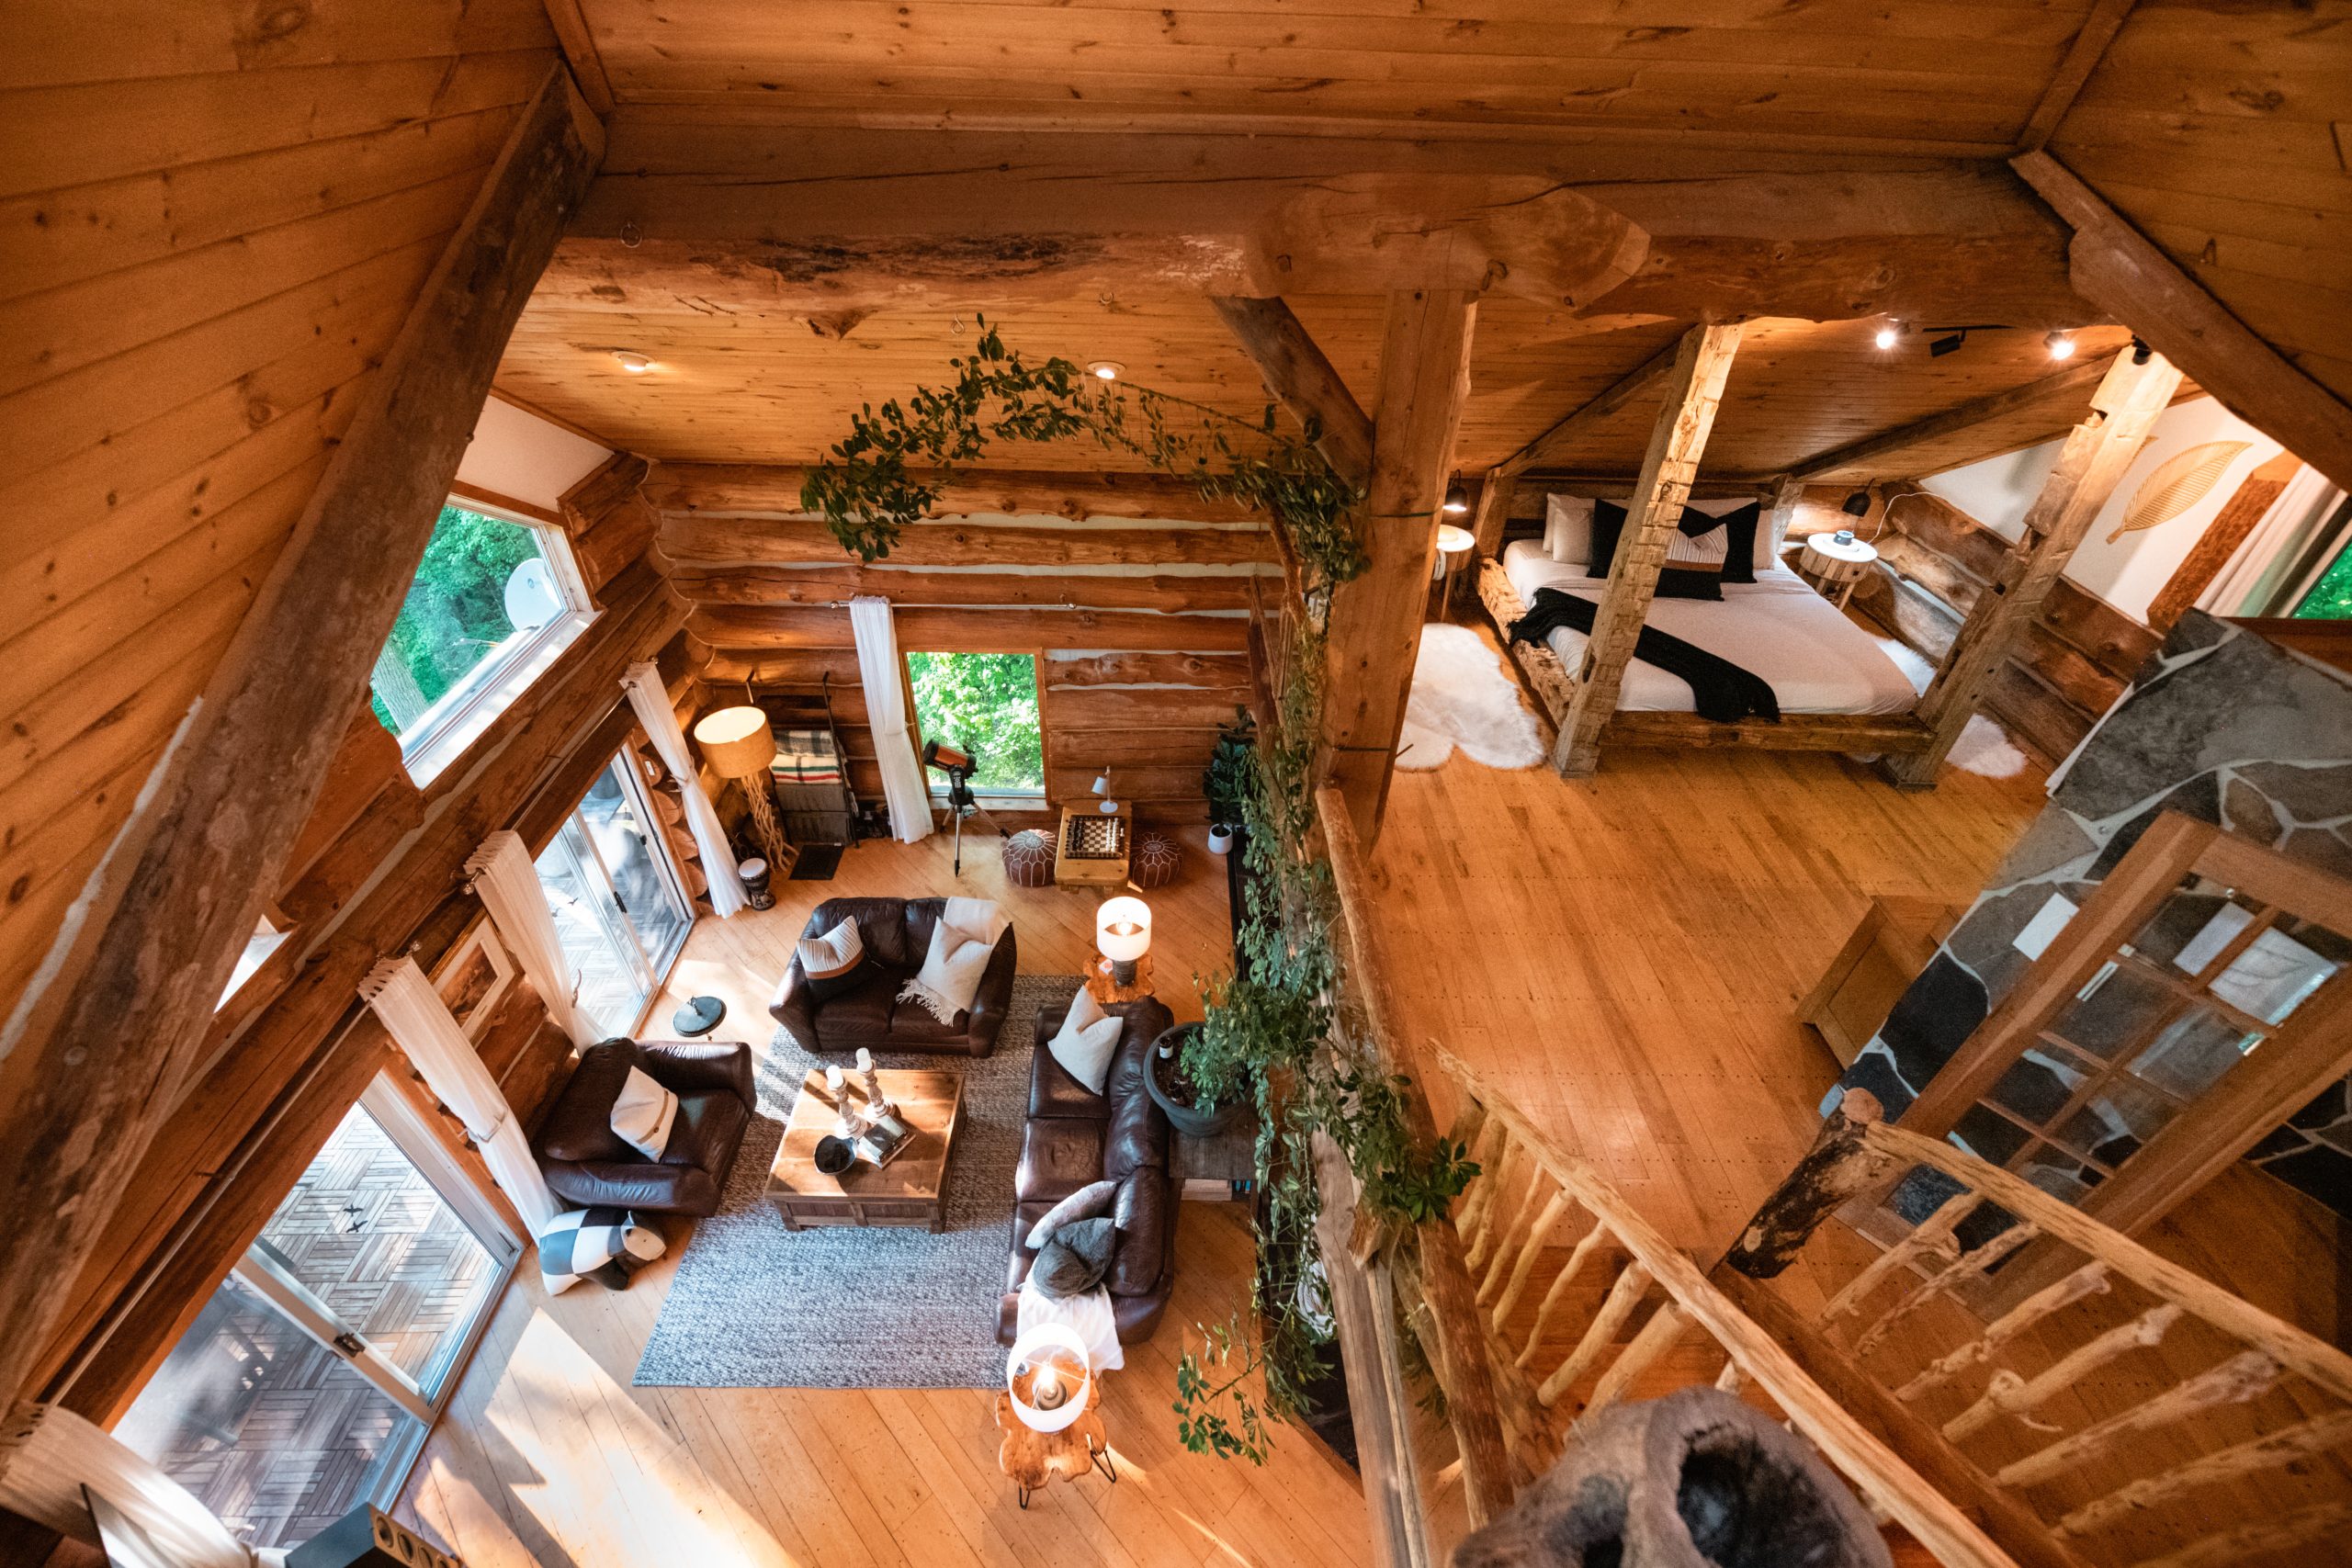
(2222, 725)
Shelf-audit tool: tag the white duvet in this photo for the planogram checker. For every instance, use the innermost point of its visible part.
(1814, 658)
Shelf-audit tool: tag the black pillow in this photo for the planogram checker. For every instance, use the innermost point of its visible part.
(1075, 1258)
(1739, 554)
(1739, 545)
(1680, 582)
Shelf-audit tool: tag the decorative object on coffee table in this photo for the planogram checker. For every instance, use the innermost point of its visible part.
(1158, 857)
(907, 1191)
(1050, 1412)
(1029, 859)
(699, 1016)
(1170, 1090)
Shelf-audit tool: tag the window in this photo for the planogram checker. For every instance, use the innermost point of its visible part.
(619, 908)
(493, 603)
(985, 704)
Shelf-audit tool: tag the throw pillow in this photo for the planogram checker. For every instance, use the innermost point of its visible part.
(835, 961)
(643, 1113)
(1567, 528)
(1721, 546)
(1076, 1256)
(605, 1245)
(1676, 582)
(1087, 1041)
(1090, 1201)
(950, 977)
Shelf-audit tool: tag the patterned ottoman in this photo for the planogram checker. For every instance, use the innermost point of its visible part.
(1029, 859)
(1158, 857)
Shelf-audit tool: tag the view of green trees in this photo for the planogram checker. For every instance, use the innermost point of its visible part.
(2331, 597)
(456, 613)
(985, 704)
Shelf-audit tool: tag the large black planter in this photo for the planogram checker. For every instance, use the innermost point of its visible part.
(1183, 1118)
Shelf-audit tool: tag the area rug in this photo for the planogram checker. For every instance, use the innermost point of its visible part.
(1464, 700)
(754, 1305)
(1983, 747)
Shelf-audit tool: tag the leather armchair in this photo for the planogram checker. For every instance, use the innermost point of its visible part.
(896, 936)
(1075, 1136)
(587, 1163)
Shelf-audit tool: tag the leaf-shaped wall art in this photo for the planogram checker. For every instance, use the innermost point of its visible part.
(2179, 482)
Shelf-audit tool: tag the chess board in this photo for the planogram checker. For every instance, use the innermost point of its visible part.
(1094, 838)
(1092, 848)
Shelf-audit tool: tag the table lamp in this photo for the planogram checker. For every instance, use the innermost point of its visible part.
(1059, 1377)
(1123, 935)
(738, 744)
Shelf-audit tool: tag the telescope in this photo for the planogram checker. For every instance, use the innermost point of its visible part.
(956, 764)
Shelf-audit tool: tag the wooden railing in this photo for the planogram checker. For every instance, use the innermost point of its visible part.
(2094, 1402)
(1532, 1203)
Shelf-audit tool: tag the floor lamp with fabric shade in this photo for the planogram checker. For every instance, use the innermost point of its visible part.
(739, 744)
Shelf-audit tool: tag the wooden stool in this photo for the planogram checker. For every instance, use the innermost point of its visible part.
(1157, 860)
(1029, 859)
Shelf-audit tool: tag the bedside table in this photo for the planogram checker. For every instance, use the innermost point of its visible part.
(1834, 567)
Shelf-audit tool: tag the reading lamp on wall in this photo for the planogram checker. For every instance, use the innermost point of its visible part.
(1457, 499)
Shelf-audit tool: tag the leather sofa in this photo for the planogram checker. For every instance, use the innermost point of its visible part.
(587, 1163)
(1075, 1136)
(896, 936)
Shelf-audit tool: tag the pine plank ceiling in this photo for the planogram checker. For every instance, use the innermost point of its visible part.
(2217, 127)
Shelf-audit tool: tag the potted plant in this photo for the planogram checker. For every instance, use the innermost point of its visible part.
(1226, 781)
(1194, 1110)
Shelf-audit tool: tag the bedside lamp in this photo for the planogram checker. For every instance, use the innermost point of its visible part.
(738, 744)
(1123, 935)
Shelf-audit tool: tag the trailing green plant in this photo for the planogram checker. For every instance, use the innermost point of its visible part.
(1214, 1412)
(1226, 778)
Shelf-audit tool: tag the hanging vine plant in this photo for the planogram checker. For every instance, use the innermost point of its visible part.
(1276, 1034)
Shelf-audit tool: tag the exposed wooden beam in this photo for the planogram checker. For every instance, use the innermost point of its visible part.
(2082, 58)
(105, 1032)
(579, 46)
(1376, 628)
(1644, 378)
(2118, 269)
(759, 489)
(834, 585)
(2213, 548)
(1693, 387)
(1302, 380)
(714, 542)
(1869, 455)
(750, 627)
(2089, 466)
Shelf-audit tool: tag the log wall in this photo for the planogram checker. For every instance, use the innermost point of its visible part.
(214, 228)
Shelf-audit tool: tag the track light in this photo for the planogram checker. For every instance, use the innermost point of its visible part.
(1888, 334)
(631, 361)
(1106, 369)
(1457, 500)
(2060, 345)
(1944, 345)
(2141, 352)
(1857, 504)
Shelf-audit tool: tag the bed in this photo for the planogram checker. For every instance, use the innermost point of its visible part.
(1816, 659)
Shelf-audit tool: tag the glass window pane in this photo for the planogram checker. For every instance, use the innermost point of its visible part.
(624, 839)
(2119, 1118)
(2272, 976)
(2193, 924)
(2192, 1053)
(367, 1234)
(586, 923)
(2059, 1174)
(2039, 1083)
(985, 704)
(2121, 1009)
(270, 1429)
(1989, 1137)
(483, 585)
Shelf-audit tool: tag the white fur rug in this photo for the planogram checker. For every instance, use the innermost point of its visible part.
(1465, 700)
(1984, 746)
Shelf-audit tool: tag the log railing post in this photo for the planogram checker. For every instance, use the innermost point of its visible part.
(1838, 1167)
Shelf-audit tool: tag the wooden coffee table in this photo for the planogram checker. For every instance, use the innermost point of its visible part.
(910, 1191)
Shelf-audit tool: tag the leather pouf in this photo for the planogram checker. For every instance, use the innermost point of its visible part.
(1157, 860)
(1029, 859)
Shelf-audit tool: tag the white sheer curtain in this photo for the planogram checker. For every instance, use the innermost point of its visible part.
(55, 1453)
(420, 1025)
(652, 703)
(509, 887)
(885, 710)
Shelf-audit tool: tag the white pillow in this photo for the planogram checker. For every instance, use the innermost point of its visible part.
(1567, 528)
(1087, 1041)
(833, 955)
(642, 1114)
(950, 977)
(1768, 548)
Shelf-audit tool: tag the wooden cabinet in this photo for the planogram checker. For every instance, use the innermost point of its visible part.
(1897, 937)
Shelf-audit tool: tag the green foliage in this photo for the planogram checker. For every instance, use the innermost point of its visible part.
(1227, 780)
(456, 609)
(985, 704)
(2331, 597)
(1215, 1413)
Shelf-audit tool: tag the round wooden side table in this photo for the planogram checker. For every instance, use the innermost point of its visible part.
(1031, 1458)
(1833, 565)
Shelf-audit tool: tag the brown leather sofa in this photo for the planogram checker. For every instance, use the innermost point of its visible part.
(1075, 1136)
(896, 936)
(587, 1163)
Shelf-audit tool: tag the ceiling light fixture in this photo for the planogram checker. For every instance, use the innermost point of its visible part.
(636, 363)
(1888, 334)
(1457, 500)
(1944, 345)
(2140, 351)
(1106, 369)
(1857, 504)
(2060, 345)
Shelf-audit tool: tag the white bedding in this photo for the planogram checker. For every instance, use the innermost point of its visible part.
(1814, 658)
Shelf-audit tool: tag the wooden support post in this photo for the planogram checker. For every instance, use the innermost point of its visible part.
(98, 1045)
(1837, 1167)
(1302, 380)
(1375, 629)
(2091, 464)
(1694, 386)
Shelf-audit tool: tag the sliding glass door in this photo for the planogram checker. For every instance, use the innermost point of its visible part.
(618, 907)
(307, 1383)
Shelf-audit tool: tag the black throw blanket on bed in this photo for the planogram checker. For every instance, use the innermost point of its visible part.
(1721, 691)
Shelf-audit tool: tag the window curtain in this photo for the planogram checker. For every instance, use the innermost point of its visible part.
(879, 672)
(509, 886)
(53, 1453)
(421, 1024)
(652, 703)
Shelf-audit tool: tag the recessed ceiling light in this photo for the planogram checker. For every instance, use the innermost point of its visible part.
(2062, 346)
(634, 362)
(1887, 335)
(1106, 369)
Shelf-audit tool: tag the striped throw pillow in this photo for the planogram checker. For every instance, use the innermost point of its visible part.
(835, 961)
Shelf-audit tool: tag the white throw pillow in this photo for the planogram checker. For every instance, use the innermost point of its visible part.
(1567, 528)
(1768, 548)
(950, 977)
(643, 1113)
(1087, 1041)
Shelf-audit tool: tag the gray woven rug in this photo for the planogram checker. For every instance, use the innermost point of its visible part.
(754, 1305)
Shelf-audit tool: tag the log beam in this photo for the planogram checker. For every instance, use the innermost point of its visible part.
(704, 543)
(1375, 629)
(761, 490)
(2090, 467)
(830, 586)
(1693, 387)
(1302, 380)
(1868, 457)
(2116, 267)
(1640, 381)
(747, 628)
(104, 1036)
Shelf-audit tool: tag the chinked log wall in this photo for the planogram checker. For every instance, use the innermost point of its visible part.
(1135, 601)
